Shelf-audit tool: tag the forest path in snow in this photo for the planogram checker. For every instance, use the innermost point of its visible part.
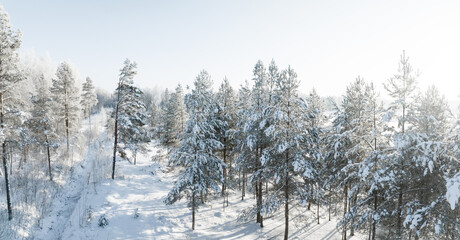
(133, 205)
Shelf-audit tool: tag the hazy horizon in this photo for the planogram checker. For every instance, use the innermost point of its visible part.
(328, 43)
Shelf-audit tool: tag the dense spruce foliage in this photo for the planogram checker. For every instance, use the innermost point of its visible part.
(390, 168)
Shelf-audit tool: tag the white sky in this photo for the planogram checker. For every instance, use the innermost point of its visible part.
(328, 43)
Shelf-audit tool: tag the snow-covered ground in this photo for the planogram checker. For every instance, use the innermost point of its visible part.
(90, 167)
(133, 205)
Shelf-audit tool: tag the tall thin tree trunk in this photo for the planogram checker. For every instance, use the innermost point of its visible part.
(115, 143)
(256, 185)
(373, 220)
(224, 170)
(67, 126)
(260, 204)
(400, 194)
(89, 120)
(49, 157)
(5, 167)
(193, 210)
(286, 199)
(345, 208)
(352, 203)
(243, 191)
(317, 202)
(257, 188)
(399, 220)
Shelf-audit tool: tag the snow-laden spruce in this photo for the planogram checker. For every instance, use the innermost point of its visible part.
(197, 152)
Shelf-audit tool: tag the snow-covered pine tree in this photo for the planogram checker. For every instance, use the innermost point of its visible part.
(197, 152)
(370, 172)
(40, 123)
(291, 157)
(175, 117)
(166, 121)
(125, 80)
(180, 113)
(66, 97)
(132, 121)
(226, 100)
(426, 210)
(153, 114)
(402, 88)
(10, 75)
(316, 105)
(244, 156)
(255, 138)
(347, 146)
(88, 98)
(448, 226)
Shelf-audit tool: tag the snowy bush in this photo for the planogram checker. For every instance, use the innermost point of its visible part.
(103, 221)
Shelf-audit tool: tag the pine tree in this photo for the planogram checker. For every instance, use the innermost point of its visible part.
(291, 156)
(244, 154)
(227, 105)
(197, 153)
(348, 146)
(88, 98)
(401, 87)
(65, 95)
(174, 117)
(132, 121)
(40, 123)
(425, 208)
(255, 139)
(316, 106)
(10, 75)
(166, 121)
(125, 82)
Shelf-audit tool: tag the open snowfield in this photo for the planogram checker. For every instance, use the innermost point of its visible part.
(133, 205)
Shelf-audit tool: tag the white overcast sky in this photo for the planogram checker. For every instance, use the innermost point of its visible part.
(328, 43)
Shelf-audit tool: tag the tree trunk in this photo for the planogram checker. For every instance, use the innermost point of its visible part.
(193, 210)
(329, 208)
(49, 157)
(239, 180)
(5, 167)
(243, 191)
(135, 156)
(317, 203)
(260, 204)
(345, 208)
(224, 171)
(257, 201)
(400, 194)
(115, 143)
(67, 126)
(286, 199)
(399, 216)
(373, 220)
